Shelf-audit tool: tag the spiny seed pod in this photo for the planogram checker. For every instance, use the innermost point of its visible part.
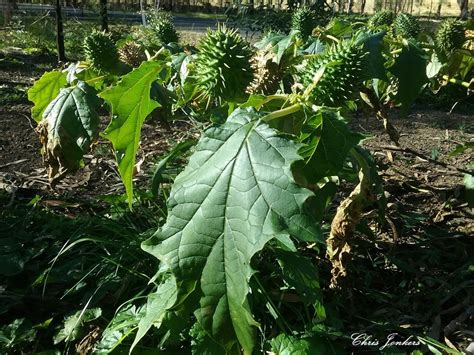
(165, 30)
(381, 18)
(450, 36)
(406, 25)
(469, 44)
(101, 52)
(342, 74)
(267, 74)
(304, 20)
(223, 67)
(132, 53)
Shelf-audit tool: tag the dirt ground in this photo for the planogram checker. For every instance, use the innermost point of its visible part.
(433, 134)
(21, 164)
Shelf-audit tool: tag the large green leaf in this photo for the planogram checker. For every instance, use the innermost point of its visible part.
(69, 127)
(44, 91)
(328, 142)
(410, 70)
(131, 104)
(374, 61)
(235, 195)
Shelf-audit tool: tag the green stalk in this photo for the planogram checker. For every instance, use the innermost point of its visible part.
(276, 97)
(231, 108)
(281, 113)
(456, 81)
(93, 80)
(157, 54)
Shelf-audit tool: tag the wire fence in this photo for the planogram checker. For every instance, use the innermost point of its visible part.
(418, 7)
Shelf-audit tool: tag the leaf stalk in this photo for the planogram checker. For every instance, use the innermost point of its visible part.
(281, 113)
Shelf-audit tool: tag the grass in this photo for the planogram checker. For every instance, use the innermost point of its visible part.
(58, 258)
(68, 266)
(203, 15)
(190, 37)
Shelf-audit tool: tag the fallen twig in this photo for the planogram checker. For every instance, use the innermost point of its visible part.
(13, 163)
(422, 156)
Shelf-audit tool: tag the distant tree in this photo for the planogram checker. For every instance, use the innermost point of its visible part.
(378, 5)
(8, 8)
(104, 20)
(350, 6)
(60, 32)
(464, 7)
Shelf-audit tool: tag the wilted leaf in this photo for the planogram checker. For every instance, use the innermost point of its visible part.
(235, 195)
(44, 91)
(349, 213)
(131, 104)
(69, 127)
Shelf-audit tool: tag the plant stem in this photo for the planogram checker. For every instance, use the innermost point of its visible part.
(93, 80)
(456, 81)
(157, 53)
(381, 114)
(231, 107)
(276, 97)
(281, 113)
